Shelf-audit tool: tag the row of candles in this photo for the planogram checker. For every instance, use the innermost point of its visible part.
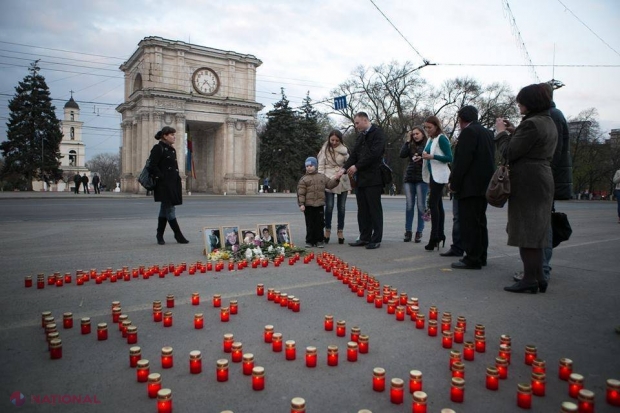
(278, 297)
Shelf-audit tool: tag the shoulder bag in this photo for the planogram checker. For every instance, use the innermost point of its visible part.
(498, 190)
(145, 178)
(560, 227)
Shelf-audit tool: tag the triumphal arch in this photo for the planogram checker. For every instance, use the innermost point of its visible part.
(209, 97)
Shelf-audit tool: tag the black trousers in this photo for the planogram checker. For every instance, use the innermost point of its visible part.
(474, 233)
(435, 204)
(314, 224)
(370, 213)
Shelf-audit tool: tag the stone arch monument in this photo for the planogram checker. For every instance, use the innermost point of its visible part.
(209, 97)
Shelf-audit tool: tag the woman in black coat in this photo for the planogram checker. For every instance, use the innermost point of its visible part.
(168, 190)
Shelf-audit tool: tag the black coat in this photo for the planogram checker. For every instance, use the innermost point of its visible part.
(366, 156)
(474, 162)
(164, 168)
(413, 173)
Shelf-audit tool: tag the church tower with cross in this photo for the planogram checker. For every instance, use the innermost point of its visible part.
(72, 147)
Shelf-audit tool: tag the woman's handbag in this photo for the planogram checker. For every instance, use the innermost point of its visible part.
(560, 227)
(386, 173)
(145, 178)
(498, 190)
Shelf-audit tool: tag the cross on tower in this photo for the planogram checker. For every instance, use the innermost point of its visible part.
(71, 94)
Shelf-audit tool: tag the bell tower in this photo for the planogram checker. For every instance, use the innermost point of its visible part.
(72, 148)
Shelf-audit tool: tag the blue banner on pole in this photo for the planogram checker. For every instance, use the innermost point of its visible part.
(340, 102)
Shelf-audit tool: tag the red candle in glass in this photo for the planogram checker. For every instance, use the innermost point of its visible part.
(224, 314)
(524, 396)
(575, 383)
(276, 297)
(539, 366)
(80, 281)
(352, 351)
(378, 379)
(457, 390)
(231, 265)
(298, 405)
(264, 263)
(116, 312)
(283, 300)
(124, 325)
(362, 344)
(221, 370)
(461, 322)
(195, 362)
(446, 324)
(538, 384)
(341, 328)
(370, 296)
(290, 352)
(132, 335)
(492, 379)
(248, 364)
(28, 281)
(67, 320)
(355, 333)
(585, 401)
(400, 313)
(236, 352)
(311, 356)
(142, 370)
(85, 325)
(40, 283)
(135, 354)
(195, 298)
(170, 301)
(217, 300)
(157, 315)
(419, 322)
(98, 280)
(168, 319)
(613, 392)
(432, 313)
(296, 305)
(505, 352)
(258, 378)
(468, 351)
(378, 301)
(260, 288)
(46, 318)
(530, 354)
(199, 321)
(566, 368)
(167, 360)
(270, 294)
(209, 266)
(397, 392)
(59, 282)
(479, 330)
(164, 401)
(228, 342)
(502, 367)
(391, 307)
(481, 345)
(455, 356)
(268, 333)
(432, 328)
(102, 331)
(415, 381)
(419, 402)
(329, 323)
(332, 356)
(458, 369)
(154, 385)
(55, 347)
(458, 334)
(276, 342)
(446, 340)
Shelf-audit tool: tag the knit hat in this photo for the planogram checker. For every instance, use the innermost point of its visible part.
(311, 160)
(468, 113)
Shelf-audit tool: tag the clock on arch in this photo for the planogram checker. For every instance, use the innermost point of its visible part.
(206, 81)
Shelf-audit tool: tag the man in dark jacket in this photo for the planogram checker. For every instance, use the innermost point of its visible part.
(96, 184)
(77, 180)
(363, 167)
(85, 183)
(472, 169)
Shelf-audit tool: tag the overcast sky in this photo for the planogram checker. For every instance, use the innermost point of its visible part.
(313, 45)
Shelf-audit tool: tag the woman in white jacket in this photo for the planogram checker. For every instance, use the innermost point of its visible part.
(332, 157)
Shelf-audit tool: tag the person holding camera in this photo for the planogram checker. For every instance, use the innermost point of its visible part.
(413, 185)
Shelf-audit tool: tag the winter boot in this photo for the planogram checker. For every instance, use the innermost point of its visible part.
(408, 235)
(161, 227)
(178, 235)
(418, 236)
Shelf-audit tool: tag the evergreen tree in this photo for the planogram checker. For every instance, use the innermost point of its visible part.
(310, 137)
(32, 148)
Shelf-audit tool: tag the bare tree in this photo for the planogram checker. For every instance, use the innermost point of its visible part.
(107, 165)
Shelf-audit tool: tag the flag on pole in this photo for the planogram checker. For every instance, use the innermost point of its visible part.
(189, 164)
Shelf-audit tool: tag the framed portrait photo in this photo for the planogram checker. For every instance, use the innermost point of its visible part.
(248, 236)
(212, 238)
(230, 236)
(283, 234)
(266, 232)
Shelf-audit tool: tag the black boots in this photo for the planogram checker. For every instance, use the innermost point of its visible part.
(161, 227)
(418, 237)
(178, 235)
(408, 235)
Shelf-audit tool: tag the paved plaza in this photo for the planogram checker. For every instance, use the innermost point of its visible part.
(48, 232)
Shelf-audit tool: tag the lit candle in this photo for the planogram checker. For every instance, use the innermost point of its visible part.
(355, 333)
(332, 355)
(585, 401)
(195, 298)
(236, 352)
(224, 314)
(132, 334)
(135, 355)
(458, 369)
(505, 352)
(492, 380)
(539, 366)
(258, 378)
(248, 364)
(360, 290)
(341, 328)
(28, 281)
(457, 390)
(157, 315)
(199, 321)
(276, 297)
(352, 351)
(298, 405)
(260, 288)
(59, 282)
(296, 305)
(481, 345)
(575, 383)
(432, 313)
(164, 401)
(538, 384)
(290, 351)
(291, 261)
(455, 356)
(468, 351)
(329, 323)
(170, 301)
(276, 342)
(268, 333)
(166, 358)
(283, 300)
(228, 342)
(142, 370)
(419, 322)
(40, 282)
(85, 325)
(102, 331)
(378, 301)
(391, 307)
(80, 281)
(67, 320)
(446, 340)
(613, 392)
(397, 391)
(209, 266)
(400, 313)
(524, 396)
(311, 356)
(168, 319)
(403, 298)
(270, 294)
(116, 312)
(566, 368)
(231, 265)
(217, 300)
(378, 379)
(154, 384)
(502, 367)
(419, 402)
(479, 330)
(446, 324)
(195, 362)
(461, 322)
(264, 263)
(415, 381)
(55, 347)
(124, 325)
(291, 299)
(458, 334)
(221, 371)
(432, 328)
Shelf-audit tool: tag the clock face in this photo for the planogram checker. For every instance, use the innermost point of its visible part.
(206, 81)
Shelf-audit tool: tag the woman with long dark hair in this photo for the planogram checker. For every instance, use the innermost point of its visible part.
(414, 186)
(168, 190)
(435, 172)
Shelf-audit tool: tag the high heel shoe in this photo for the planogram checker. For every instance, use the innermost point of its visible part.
(327, 235)
(443, 239)
(522, 287)
(542, 286)
(432, 243)
(340, 237)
